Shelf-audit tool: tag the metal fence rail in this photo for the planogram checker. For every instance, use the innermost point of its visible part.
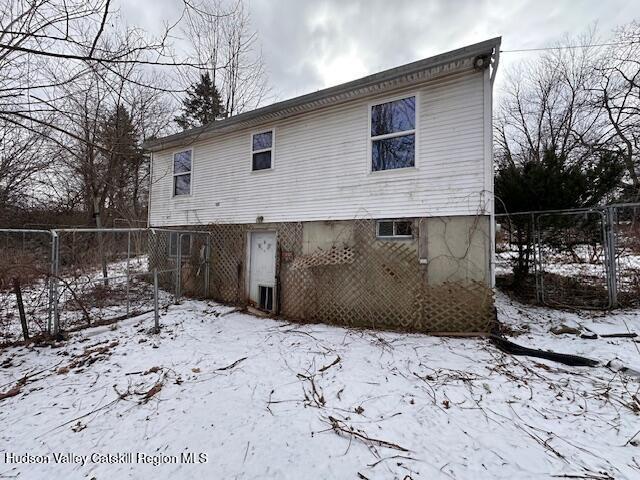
(74, 277)
(581, 258)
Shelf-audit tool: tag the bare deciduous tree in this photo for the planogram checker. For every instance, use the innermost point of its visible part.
(24, 155)
(580, 103)
(63, 65)
(547, 105)
(221, 37)
(618, 93)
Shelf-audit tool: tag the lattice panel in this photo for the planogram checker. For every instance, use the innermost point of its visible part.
(193, 267)
(382, 285)
(334, 256)
(373, 283)
(227, 262)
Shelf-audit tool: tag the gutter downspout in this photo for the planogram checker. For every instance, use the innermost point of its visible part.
(490, 163)
(150, 187)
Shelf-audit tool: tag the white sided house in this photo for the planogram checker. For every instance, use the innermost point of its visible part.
(369, 203)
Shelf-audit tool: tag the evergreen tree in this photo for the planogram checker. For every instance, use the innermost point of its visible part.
(555, 183)
(202, 105)
(552, 183)
(123, 162)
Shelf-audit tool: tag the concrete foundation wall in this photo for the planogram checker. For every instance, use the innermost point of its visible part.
(325, 235)
(457, 249)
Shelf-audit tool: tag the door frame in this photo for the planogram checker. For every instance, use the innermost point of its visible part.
(247, 269)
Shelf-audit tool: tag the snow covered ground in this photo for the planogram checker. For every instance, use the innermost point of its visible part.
(269, 399)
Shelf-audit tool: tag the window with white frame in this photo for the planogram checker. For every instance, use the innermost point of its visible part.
(185, 244)
(394, 229)
(262, 150)
(393, 134)
(182, 173)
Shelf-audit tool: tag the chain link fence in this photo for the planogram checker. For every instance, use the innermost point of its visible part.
(25, 271)
(66, 279)
(625, 221)
(583, 258)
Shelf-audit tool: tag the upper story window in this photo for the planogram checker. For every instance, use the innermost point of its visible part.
(393, 134)
(182, 173)
(262, 150)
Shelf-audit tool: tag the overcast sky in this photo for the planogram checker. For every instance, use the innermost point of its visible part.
(312, 44)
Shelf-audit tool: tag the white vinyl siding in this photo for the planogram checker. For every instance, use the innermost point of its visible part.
(324, 167)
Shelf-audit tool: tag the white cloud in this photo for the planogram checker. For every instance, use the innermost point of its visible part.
(336, 68)
(309, 45)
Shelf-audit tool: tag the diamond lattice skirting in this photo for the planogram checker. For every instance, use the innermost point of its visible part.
(371, 283)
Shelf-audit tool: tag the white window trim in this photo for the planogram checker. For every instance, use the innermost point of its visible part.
(174, 174)
(272, 149)
(393, 236)
(415, 131)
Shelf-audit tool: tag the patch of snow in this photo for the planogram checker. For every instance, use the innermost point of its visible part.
(535, 322)
(265, 398)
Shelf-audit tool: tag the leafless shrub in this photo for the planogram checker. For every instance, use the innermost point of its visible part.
(26, 266)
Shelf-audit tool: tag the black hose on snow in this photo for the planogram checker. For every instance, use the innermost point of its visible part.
(515, 349)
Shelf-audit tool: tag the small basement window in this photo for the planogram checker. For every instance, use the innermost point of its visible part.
(185, 245)
(182, 173)
(262, 150)
(266, 298)
(394, 229)
(393, 134)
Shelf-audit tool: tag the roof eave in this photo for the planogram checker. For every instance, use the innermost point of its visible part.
(413, 73)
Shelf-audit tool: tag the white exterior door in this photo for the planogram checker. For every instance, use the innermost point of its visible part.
(262, 269)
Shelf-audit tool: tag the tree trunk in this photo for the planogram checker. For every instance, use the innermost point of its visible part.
(23, 317)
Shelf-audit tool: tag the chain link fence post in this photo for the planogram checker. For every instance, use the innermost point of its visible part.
(51, 280)
(207, 257)
(156, 313)
(537, 257)
(128, 269)
(178, 265)
(55, 276)
(612, 275)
